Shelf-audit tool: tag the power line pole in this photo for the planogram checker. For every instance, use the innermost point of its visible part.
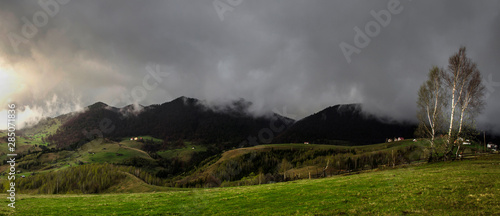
(484, 137)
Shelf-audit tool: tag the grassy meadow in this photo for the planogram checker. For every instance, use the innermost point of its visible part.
(469, 187)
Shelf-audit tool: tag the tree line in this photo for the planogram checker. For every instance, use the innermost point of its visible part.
(86, 179)
(262, 167)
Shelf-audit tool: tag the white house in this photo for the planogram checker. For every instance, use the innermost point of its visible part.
(492, 146)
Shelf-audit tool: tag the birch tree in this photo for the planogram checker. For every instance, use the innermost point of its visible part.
(472, 101)
(455, 80)
(463, 81)
(431, 101)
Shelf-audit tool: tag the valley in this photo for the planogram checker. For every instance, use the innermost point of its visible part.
(202, 159)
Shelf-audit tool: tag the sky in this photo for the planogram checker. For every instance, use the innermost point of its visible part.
(294, 57)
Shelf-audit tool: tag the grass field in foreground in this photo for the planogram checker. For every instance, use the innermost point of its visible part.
(450, 188)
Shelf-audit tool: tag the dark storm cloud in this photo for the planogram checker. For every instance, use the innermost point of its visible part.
(274, 53)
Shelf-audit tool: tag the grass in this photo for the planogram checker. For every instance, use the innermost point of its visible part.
(360, 149)
(135, 144)
(22, 145)
(44, 127)
(469, 187)
(32, 136)
(108, 152)
(185, 153)
(132, 184)
(96, 151)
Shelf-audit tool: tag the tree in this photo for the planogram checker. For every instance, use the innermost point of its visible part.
(471, 103)
(463, 81)
(431, 101)
(284, 166)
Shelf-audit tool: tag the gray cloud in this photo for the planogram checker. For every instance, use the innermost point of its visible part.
(275, 54)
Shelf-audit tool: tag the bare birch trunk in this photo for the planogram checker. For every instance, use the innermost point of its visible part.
(453, 105)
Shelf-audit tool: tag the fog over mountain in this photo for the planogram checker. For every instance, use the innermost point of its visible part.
(286, 56)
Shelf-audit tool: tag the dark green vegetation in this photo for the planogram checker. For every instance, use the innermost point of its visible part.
(284, 162)
(469, 187)
(184, 167)
(90, 178)
(196, 166)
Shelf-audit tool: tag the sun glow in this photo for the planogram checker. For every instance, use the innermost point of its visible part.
(9, 84)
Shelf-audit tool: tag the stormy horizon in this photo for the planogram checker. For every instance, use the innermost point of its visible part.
(297, 57)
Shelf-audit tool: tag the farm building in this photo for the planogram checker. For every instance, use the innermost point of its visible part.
(492, 146)
(398, 139)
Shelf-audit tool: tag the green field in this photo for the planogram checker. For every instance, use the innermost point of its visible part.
(184, 153)
(99, 151)
(96, 151)
(470, 187)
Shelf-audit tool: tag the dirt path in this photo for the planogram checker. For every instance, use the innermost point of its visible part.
(124, 146)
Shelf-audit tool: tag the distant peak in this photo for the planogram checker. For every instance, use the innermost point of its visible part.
(185, 100)
(133, 106)
(344, 107)
(354, 106)
(98, 105)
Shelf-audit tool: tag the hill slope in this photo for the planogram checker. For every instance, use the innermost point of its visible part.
(285, 162)
(346, 123)
(451, 188)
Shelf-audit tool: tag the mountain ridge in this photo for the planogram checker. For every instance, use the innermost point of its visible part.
(180, 119)
(191, 119)
(345, 122)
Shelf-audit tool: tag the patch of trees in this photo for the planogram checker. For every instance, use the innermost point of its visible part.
(137, 162)
(145, 176)
(175, 166)
(91, 178)
(152, 146)
(29, 165)
(87, 179)
(448, 103)
(274, 166)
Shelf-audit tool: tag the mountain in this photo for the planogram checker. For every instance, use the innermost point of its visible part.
(46, 126)
(181, 119)
(344, 124)
(188, 119)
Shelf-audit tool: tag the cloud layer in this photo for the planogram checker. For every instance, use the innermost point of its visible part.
(276, 54)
